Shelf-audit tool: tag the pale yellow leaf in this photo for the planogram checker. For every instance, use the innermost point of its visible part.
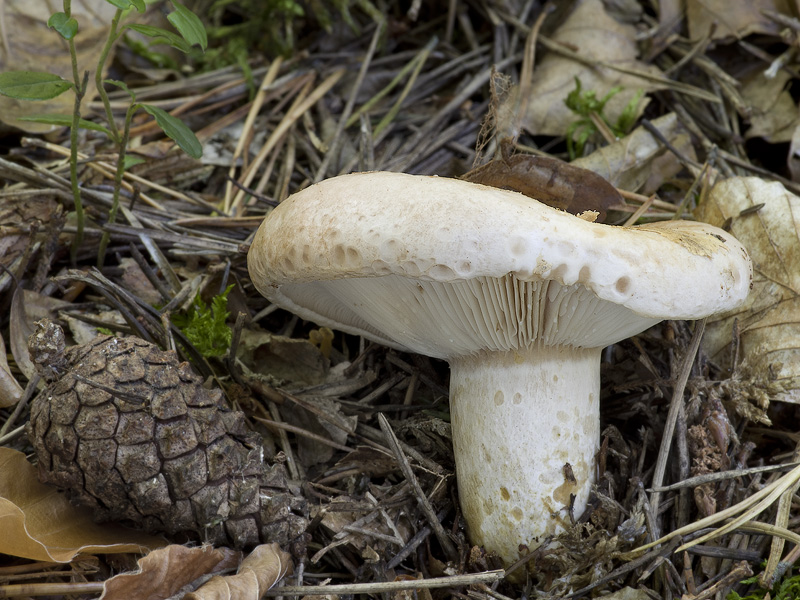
(769, 321)
(38, 522)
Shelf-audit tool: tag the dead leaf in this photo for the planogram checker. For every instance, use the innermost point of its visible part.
(29, 45)
(24, 225)
(595, 37)
(289, 361)
(163, 572)
(638, 162)
(310, 451)
(627, 593)
(769, 320)
(10, 389)
(39, 523)
(265, 566)
(20, 329)
(411, 594)
(135, 281)
(773, 112)
(346, 518)
(732, 19)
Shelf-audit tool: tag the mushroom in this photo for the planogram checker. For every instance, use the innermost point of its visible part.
(518, 297)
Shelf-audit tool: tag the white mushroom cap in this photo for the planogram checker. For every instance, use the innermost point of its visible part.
(369, 253)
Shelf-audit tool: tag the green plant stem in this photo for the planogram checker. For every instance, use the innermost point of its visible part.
(80, 90)
(112, 214)
(98, 77)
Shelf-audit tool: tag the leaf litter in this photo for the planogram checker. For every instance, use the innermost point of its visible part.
(363, 430)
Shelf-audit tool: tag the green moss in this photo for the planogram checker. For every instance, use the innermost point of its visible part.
(788, 588)
(584, 103)
(205, 326)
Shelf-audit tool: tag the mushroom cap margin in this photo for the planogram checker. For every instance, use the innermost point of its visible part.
(441, 229)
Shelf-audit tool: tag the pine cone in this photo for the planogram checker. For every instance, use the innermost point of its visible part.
(132, 433)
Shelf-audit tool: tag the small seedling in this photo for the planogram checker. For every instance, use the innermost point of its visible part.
(585, 104)
(205, 326)
(37, 85)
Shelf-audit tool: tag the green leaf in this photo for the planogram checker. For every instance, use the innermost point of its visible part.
(32, 85)
(188, 25)
(66, 26)
(66, 121)
(162, 36)
(131, 161)
(159, 59)
(177, 130)
(126, 4)
(121, 85)
(627, 118)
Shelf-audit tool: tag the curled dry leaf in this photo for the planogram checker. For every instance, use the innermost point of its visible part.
(29, 45)
(596, 37)
(260, 570)
(163, 572)
(769, 321)
(39, 523)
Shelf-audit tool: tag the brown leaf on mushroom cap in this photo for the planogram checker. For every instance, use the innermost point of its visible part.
(551, 181)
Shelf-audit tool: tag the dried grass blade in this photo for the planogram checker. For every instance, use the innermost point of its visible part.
(413, 64)
(791, 479)
(395, 108)
(767, 529)
(301, 105)
(767, 576)
(247, 128)
(772, 491)
(387, 586)
(422, 499)
(335, 142)
(153, 250)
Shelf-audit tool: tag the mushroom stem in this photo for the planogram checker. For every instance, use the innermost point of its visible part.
(517, 419)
